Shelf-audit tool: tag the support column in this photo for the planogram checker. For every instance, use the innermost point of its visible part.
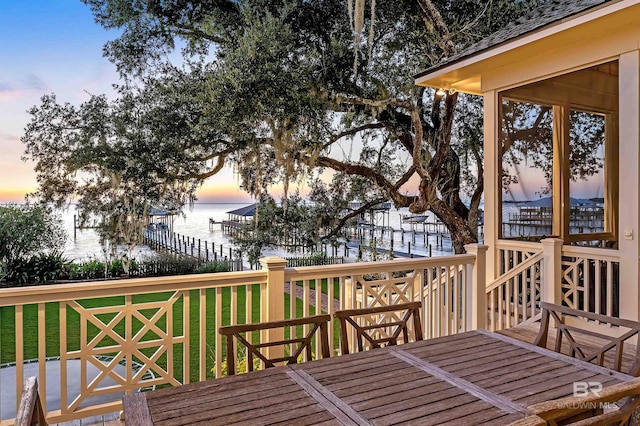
(551, 279)
(629, 136)
(492, 186)
(477, 288)
(272, 308)
(561, 170)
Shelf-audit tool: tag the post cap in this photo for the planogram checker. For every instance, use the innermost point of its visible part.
(273, 262)
(476, 248)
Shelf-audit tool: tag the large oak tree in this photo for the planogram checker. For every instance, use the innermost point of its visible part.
(283, 90)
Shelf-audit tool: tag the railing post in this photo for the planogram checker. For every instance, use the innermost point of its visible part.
(273, 302)
(551, 279)
(476, 303)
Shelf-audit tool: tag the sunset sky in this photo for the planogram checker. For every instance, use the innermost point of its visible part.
(54, 46)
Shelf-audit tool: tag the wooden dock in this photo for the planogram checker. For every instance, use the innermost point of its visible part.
(204, 251)
(539, 220)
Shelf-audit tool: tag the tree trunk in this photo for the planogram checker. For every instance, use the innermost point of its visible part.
(459, 229)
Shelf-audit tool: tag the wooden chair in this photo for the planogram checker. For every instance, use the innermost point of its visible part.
(319, 322)
(383, 325)
(589, 345)
(30, 411)
(587, 410)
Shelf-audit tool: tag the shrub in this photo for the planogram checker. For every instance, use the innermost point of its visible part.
(241, 364)
(116, 268)
(92, 269)
(29, 230)
(212, 267)
(165, 264)
(40, 269)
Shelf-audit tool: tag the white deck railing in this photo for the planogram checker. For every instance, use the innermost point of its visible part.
(514, 296)
(583, 278)
(163, 331)
(590, 279)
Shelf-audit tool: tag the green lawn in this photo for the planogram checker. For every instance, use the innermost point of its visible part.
(52, 311)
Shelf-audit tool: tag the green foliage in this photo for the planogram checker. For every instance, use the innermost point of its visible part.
(212, 267)
(45, 268)
(116, 268)
(92, 269)
(241, 363)
(270, 87)
(293, 225)
(29, 230)
(170, 264)
(39, 269)
(107, 156)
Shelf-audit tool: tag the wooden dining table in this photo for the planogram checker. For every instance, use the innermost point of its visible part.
(469, 378)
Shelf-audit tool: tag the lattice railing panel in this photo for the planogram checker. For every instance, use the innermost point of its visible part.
(591, 280)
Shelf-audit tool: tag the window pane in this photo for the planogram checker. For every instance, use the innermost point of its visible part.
(527, 170)
(586, 184)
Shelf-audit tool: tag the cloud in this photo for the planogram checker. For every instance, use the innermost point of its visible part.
(12, 149)
(30, 83)
(9, 92)
(33, 82)
(8, 137)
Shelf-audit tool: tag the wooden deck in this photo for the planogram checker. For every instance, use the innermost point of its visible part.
(527, 332)
(469, 378)
(111, 419)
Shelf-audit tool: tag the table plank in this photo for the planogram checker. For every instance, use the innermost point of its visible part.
(136, 410)
(338, 408)
(521, 370)
(559, 356)
(547, 376)
(200, 408)
(366, 383)
(464, 379)
(403, 393)
(389, 388)
(223, 396)
(503, 403)
(404, 411)
(474, 413)
(267, 397)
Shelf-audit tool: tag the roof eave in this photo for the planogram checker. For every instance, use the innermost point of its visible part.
(453, 75)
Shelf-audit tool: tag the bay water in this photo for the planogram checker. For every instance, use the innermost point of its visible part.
(194, 223)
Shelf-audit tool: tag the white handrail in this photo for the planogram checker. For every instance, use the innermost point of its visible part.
(514, 272)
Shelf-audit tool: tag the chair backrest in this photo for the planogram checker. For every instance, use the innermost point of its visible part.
(30, 410)
(379, 326)
(236, 332)
(586, 344)
(590, 409)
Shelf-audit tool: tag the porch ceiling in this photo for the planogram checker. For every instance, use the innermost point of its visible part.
(575, 35)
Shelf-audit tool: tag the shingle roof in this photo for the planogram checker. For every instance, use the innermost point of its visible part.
(549, 12)
(244, 211)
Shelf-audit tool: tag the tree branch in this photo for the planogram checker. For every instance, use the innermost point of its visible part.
(202, 176)
(364, 171)
(186, 31)
(336, 229)
(381, 104)
(432, 13)
(352, 132)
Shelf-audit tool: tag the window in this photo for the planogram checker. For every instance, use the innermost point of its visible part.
(527, 169)
(559, 156)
